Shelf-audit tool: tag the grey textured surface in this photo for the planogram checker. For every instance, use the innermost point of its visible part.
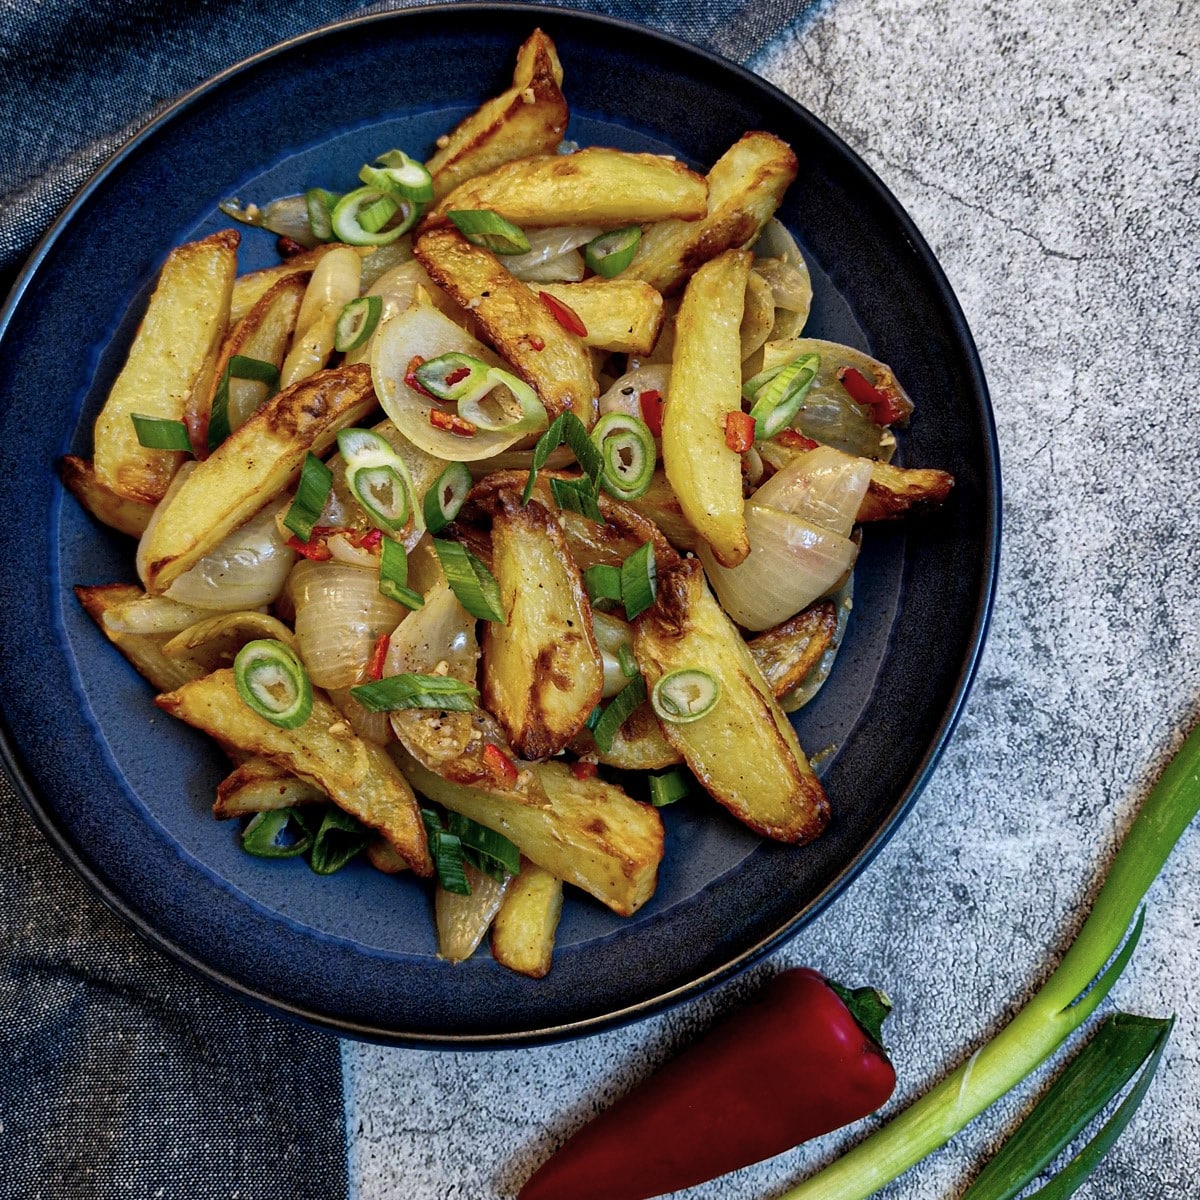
(1048, 153)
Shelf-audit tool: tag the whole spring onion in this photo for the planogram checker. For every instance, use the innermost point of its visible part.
(610, 253)
(686, 695)
(356, 323)
(368, 217)
(378, 479)
(445, 498)
(1066, 1000)
(482, 227)
(273, 682)
(777, 394)
(628, 453)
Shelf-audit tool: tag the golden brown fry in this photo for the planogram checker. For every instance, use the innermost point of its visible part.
(584, 831)
(258, 785)
(706, 386)
(744, 751)
(621, 316)
(745, 187)
(174, 351)
(357, 776)
(595, 186)
(250, 468)
(551, 359)
(542, 674)
(382, 856)
(523, 929)
(108, 507)
(638, 745)
(788, 652)
(895, 492)
(528, 118)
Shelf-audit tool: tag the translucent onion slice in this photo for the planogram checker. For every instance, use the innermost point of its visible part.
(551, 246)
(783, 267)
(246, 569)
(286, 216)
(625, 394)
(462, 921)
(611, 634)
(425, 332)
(398, 289)
(823, 486)
(340, 615)
(792, 562)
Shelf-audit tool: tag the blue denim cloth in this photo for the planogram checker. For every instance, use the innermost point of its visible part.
(124, 1074)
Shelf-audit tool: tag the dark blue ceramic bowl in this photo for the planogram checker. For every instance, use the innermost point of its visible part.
(124, 792)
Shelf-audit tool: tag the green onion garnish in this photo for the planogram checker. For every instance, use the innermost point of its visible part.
(629, 665)
(378, 478)
(617, 712)
(393, 575)
(594, 717)
(400, 174)
(471, 581)
(445, 498)
(239, 366)
(482, 227)
(686, 695)
(452, 376)
(161, 433)
(316, 480)
(576, 495)
(339, 838)
(320, 205)
(778, 393)
(602, 582)
(466, 381)
(446, 851)
(357, 322)
(361, 217)
(639, 580)
(668, 787)
(397, 692)
(566, 427)
(277, 834)
(627, 452)
(273, 682)
(610, 253)
(485, 848)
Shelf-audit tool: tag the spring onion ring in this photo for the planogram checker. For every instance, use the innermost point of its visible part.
(272, 681)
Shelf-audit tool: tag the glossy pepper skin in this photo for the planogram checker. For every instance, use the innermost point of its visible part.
(791, 1065)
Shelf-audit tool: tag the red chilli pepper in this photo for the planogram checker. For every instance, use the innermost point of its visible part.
(378, 655)
(503, 769)
(564, 314)
(651, 403)
(451, 423)
(314, 549)
(371, 539)
(410, 377)
(739, 431)
(584, 769)
(885, 406)
(792, 1065)
(795, 440)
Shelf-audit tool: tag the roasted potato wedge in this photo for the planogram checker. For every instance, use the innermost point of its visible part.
(660, 505)
(895, 492)
(250, 468)
(173, 353)
(108, 507)
(215, 641)
(357, 776)
(744, 751)
(595, 186)
(542, 674)
(383, 857)
(745, 187)
(639, 745)
(788, 652)
(621, 316)
(523, 928)
(528, 118)
(706, 385)
(551, 359)
(258, 785)
(585, 831)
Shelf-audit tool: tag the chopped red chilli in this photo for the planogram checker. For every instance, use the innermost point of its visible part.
(584, 769)
(314, 549)
(885, 407)
(410, 377)
(503, 769)
(378, 656)
(795, 440)
(451, 423)
(739, 431)
(564, 314)
(651, 403)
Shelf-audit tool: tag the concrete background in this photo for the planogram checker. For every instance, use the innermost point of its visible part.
(1048, 153)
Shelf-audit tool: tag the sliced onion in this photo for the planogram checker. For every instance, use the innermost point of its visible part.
(625, 394)
(246, 569)
(551, 246)
(782, 265)
(398, 290)
(791, 563)
(823, 486)
(152, 615)
(382, 259)
(287, 216)
(340, 615)
(611, 634)
(463, 920)
(370, 726)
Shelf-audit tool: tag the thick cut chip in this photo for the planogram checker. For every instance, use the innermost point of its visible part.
(786, 653)
(895, 492)
(357, 776)
(744, 751)
(550, 358)
(110, 508)
(621, 316)
(542, 673)
(258, 785)
(250, 468)
(523, 929)
(173, 353)
(706, 386)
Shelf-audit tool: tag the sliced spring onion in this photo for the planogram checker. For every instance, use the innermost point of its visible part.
(453, 376)
(610, 253)
(161, 433)
(482, 227)
(446, 851)
(272, 681)
(357, 322)
(470, 580)
(286, 216)
(339, 838)
(361, 218)
(1122, 1045)
(316, 480)
(393, 575)
(629, 666)
(617, 712)
(686, 695)
(240, 366)
(320, 205)
(639, 580)
(628, 454)
(277, 834)
(777, 394)
(396, 692)
(445, 498)
(485, 848)
(401, 175)
(577, 495)
(378, 478)
(566, 427)
(668, 787)
(603, 582)
(467, 381)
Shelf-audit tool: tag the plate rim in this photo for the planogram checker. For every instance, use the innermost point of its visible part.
(50, 824)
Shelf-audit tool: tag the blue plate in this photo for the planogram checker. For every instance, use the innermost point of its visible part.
(124, 792)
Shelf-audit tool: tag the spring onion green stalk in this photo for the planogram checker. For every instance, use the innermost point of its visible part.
(272, 682)
(639, 580)
(367, 217)
(485, 228)
(393, 575)
(316, 480)
(320, 205)
(401, 176)
(357, 322)
(444, 500)
(668, 787)
(277, 834)
(629, 667)
(339, 838)
(485, 848)
(379, 479)
(470, 580)
(161, 433)
(617, 712)
(603, 582)
(628, 454)
(577, 495)
(239, 366)
(686, 695)
(467, 381)
(610, 253)
(566, 427)
(445, 849)
(397, 692)
(778, 393)
(1066, 1000)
